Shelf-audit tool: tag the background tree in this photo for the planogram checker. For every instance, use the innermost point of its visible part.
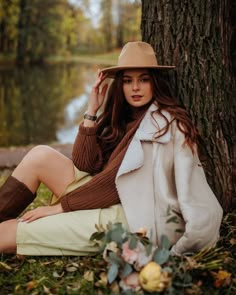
(196, 37)
(9, 12)
(107, 23)
(46, 28)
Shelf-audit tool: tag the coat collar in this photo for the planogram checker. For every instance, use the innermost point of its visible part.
(134, 156)
(151, 124)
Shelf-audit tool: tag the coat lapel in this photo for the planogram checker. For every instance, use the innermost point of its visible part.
(146, 131)
(151, 124)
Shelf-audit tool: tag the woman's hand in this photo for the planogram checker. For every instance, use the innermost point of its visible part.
(41, 212)
(96, 98)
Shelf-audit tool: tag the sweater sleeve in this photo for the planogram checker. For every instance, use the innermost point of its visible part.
(99, 192)
(86, 153)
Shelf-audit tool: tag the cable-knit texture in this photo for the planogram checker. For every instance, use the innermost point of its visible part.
(100, 191)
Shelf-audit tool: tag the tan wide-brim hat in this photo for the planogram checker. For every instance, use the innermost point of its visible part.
(135, 55)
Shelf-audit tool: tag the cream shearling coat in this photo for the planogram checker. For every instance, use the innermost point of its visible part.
(160, 180)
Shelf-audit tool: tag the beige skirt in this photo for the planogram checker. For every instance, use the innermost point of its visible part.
(66, 233)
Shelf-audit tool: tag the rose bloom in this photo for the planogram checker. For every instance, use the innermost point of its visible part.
(130, 282)
(129, 255)
(137, 256)
(143, 259)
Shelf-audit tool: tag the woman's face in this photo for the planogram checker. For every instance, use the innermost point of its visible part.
(137, 87)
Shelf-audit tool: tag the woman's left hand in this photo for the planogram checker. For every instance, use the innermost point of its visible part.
(41, 212)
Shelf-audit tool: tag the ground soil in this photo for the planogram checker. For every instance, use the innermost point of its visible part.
(10, 157)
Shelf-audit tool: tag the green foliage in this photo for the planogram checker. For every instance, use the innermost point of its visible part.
(9, 17)
(161, 256)
(34, 30)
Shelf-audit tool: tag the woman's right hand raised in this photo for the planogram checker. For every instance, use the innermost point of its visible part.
(97, 97)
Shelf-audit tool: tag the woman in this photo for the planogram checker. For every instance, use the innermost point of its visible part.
(136, 163)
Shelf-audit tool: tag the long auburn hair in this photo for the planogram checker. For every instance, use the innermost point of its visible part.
(112, 122)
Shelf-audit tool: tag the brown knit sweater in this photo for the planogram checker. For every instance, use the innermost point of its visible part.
(100, 191)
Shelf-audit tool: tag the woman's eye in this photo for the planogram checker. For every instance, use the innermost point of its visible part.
(145, 80)
(127, 81)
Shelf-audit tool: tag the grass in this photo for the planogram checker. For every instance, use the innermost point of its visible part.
(103, 59)
(82, 275)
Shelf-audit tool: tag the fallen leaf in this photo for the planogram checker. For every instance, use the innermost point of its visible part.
(31, 260)
(75, 264)
(89, 276)
(222, 278)
(46, 263)
(46, 290)
(57, 275)
(31, 285)
(114, 287)
(232, 241)
(103, 280)
(5, 266)
(71, 268)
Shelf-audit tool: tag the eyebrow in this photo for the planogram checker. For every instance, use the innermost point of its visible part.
(128, 76)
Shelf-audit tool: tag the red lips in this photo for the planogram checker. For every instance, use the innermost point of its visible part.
(136, 97)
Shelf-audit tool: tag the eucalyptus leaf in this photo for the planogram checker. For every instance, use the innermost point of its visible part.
(165, 243)
(97, 236)
(149, 249)
(115, 259)
(183, 280)
(161, 256)
(112, 273)
(126, 270)
(116, 233)
(133, 242)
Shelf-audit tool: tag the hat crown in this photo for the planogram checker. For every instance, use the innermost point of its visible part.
(137, 54)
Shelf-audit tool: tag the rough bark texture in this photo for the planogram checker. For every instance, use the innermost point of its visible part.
(196, 36)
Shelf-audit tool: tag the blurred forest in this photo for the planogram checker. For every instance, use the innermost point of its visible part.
(32, 30)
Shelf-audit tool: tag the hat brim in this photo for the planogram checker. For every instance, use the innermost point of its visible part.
(111, 71)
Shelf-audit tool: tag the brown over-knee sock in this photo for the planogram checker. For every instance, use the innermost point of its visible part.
(14, 198)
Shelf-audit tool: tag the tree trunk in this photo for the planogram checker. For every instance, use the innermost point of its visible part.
(107, 23)
(120, 25)
(196, 36)
(23, 23)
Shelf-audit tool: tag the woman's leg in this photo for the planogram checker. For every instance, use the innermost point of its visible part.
(41, 164)
(8, 236)
(45, 164)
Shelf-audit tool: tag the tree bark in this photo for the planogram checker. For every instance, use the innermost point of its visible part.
(196, 36)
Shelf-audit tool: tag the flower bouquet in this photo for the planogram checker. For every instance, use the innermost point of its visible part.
(136, 265)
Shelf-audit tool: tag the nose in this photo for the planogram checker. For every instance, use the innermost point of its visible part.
(135, 85)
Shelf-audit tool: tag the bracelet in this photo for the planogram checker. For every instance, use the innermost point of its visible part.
(89, 117)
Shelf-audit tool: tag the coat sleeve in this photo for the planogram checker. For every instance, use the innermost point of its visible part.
(199, 207)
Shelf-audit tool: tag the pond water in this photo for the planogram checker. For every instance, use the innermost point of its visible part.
(43, 105)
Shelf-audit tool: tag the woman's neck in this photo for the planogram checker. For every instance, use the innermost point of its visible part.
(135, 113)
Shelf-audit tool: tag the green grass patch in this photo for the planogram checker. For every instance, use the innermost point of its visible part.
(103, 59)
(108, 59)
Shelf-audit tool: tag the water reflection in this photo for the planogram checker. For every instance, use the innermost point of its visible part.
(73, 111)
(43, 104)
